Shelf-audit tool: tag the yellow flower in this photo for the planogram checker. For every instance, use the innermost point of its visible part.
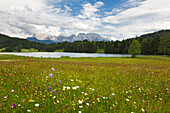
(28, 110)
(31, 100)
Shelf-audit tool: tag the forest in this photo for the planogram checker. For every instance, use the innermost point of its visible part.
(157, 43)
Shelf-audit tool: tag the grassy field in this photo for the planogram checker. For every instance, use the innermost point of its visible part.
(84, 85)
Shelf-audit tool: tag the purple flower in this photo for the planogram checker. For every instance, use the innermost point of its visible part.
(54, 84)
(50, 87)
(60, 81)
(52, 69)
(13, 105)
(128, 94)
(145, 111)
(52, 91)
(50, 75)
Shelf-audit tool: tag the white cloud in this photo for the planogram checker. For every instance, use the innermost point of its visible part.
(89, 10)
(151, 15)
(114, 11)
(132, 3)
(67, 8)
(23, 18)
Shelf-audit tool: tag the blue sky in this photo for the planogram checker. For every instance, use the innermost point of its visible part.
(115, 19)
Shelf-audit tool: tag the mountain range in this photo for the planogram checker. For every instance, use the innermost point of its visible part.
(47, 39)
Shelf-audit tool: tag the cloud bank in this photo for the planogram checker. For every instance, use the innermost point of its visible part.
(23, 18)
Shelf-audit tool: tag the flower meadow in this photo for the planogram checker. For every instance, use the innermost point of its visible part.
(84, 85)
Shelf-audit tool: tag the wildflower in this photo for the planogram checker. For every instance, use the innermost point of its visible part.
(57, 101)
(31, 100)
(36, 105)
(6, 96)
(23, 100)
(113, 105)
(72, 80)
(87, 104)
(14, 105)
(12, 90)
(98, 100)
(127, 99)
(19, 105)
(113, 94)
(64, 88)
(80, 106)
(143, 110)
(28, 110)
(85, 94)
(54, 97)
(68, 87)
(79, 112)
(80, 102)
(50, 75)
(52, 69)
(74, 88)
(60, 81)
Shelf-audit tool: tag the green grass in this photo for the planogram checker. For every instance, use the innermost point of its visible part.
(2, 49)
(100, 51)
(113, 85)
(59, 50)
(29, 50)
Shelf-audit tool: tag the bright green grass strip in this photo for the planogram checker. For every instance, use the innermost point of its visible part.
(100, 51)
(29, 50)
(2, 49)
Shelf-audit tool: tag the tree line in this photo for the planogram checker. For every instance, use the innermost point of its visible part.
(151, 44)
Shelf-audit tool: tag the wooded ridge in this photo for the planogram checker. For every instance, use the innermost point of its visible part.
(157, 43)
